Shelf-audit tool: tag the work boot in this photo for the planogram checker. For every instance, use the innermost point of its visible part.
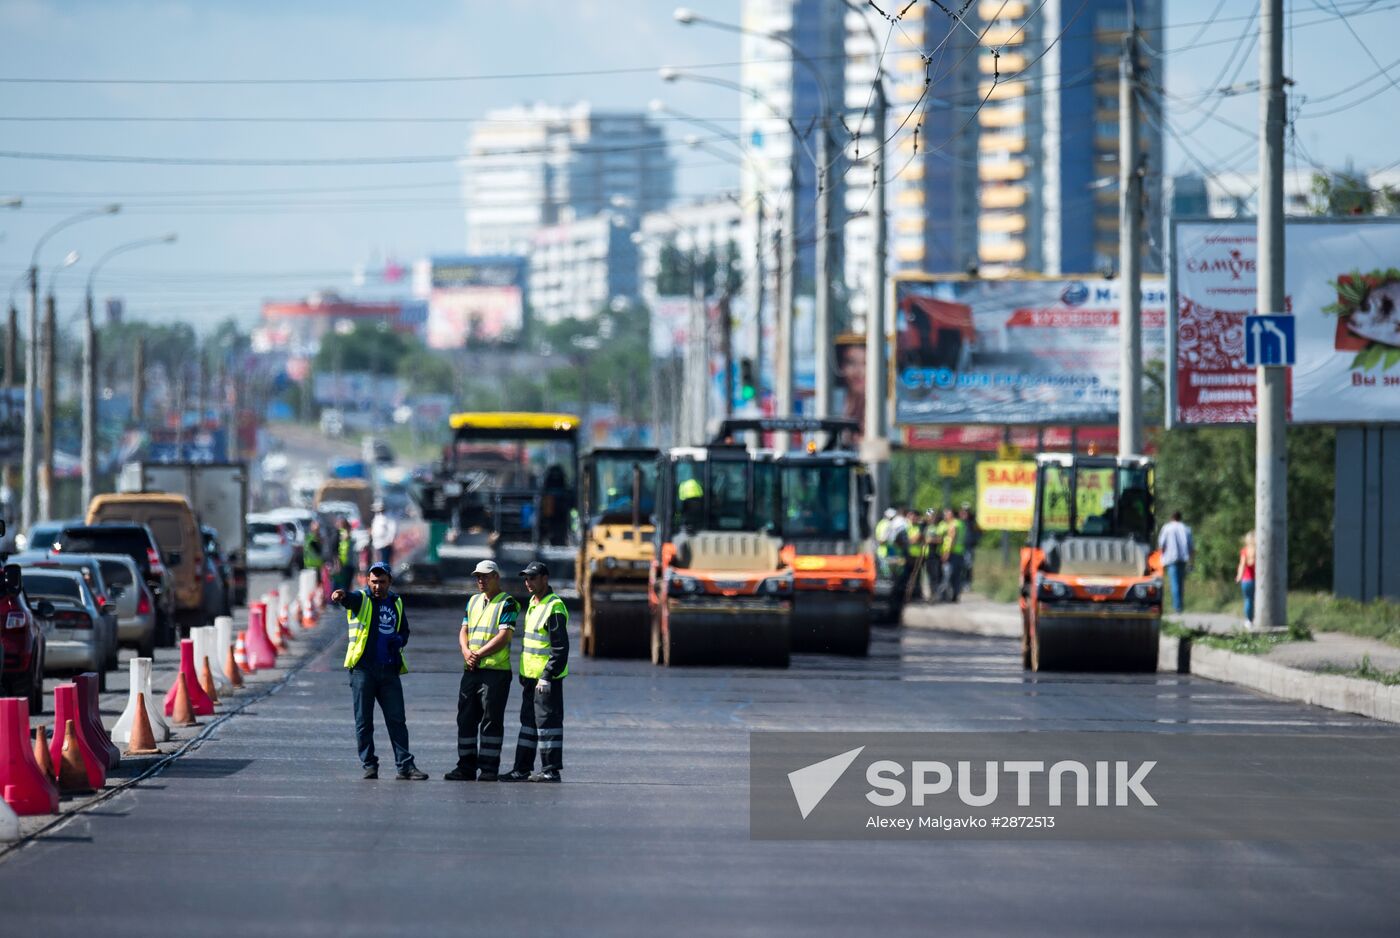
(461, 774)
(412, 774)
(516, 775)
(371, 771)
(487, 776)
(549, 776)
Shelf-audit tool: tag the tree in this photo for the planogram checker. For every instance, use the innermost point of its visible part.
(365, 348)
(1349, 193)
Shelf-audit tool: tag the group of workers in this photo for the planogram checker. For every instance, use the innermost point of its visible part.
(930, 554)
(333, 545)
(378, 632)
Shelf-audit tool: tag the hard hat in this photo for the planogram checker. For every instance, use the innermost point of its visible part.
(890, 513)
(689, 489)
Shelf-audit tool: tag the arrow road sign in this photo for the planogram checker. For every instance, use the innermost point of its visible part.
(1268, 341)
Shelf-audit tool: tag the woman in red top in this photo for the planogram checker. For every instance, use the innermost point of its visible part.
(1244, 576)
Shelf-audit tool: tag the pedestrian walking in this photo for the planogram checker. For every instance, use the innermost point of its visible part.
(544, 663)
(383, 531)
(1244, 576)
(1178, 551)
(487, 628)
(973, 534)
(374, 658)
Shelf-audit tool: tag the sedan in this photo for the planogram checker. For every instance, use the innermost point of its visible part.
(91, 570)
(270, 545)
(135, 606)
(22, 641)
(77, 635)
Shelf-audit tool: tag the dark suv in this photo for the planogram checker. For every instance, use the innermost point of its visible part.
(137, 542)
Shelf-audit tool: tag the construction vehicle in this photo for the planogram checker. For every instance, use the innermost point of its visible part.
(504, 490)
(718, 589)
(825, 499)
(617, 495)
(1091, 582)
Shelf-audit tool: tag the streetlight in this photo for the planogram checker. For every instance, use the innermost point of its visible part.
(48, 375)
(27, 510)
(89, 447)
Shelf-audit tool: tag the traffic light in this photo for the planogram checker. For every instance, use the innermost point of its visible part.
(748, 384)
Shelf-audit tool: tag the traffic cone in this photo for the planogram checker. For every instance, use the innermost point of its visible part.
(67, 713)
(259, 649)
(199, 701)
(90, 721)
(140, 684)
(206, 682)
(41, 752)
(143, 741)
(24, 786)
(240, 652)
(231, 669)
(182, 714)
(76, 765)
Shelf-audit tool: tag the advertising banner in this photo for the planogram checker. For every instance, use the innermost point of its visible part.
(1342, 284)
(475, 300)
(1005, 495)
(1014, 351)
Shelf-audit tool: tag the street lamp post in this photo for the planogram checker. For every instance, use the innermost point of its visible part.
(27, 509)
(48, 375)
(90, 353)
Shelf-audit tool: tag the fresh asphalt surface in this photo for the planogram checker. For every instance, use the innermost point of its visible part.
(267, 828)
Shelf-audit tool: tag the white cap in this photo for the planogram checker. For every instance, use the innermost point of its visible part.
(890, 512)
(487, 566)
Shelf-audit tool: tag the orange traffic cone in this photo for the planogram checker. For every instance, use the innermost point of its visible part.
(72, 769)
(41, 752)
(182, 714)
(240, 652)
(206, 681)
(143, 738)
(231, 669)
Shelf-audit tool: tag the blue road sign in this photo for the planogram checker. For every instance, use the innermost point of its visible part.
(1268, 341)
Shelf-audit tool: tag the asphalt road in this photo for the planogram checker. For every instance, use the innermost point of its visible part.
(268, 828)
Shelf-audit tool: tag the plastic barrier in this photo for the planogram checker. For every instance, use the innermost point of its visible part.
(223, 644)
(90, 724)
(199, 700)
(206, 649)
(182, 713)
(70, 749)
(140, 687)
(272, 599)
(9, 823)
(259, 649)
(143, 741)
(25, 788)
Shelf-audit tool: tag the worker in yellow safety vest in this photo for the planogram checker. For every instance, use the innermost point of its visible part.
(374, 658)
(544, 663)
(487, 628)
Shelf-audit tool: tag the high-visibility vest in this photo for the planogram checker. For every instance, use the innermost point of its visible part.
(534, 649)
(483, 621)
(362, 624)
(310, 555)
(954, 537)
(344, 549)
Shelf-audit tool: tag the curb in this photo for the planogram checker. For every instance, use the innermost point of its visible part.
(1332, 691)
(159, 765)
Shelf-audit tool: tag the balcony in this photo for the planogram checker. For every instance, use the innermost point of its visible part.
(989, 10)
(1002, 117)
(1001, 91)
(1009, 35)
(1006, 143)
(1001, 223)
(1005, 196)
(1001, 172)
(1009, 252)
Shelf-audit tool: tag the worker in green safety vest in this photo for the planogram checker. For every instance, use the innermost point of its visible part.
(544, 663)
(345, 561)
(953, 546)
(311, 547)
(487, 628)
(374, 658)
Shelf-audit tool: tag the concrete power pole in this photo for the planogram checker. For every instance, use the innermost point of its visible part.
(823, 346)
(787, 297)
(31, 396)
(50, 382)
(11, 374)
(876, 438)
(89, 408)
(1129, 247)
(138, 383)
(1271, 441)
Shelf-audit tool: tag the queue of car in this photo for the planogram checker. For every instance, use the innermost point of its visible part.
(138, 571)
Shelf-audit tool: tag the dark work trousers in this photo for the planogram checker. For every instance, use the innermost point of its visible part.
(381, 684)
(481, 719)
(541, 726)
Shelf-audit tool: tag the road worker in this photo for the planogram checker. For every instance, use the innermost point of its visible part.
(487, 627)
(544, 663)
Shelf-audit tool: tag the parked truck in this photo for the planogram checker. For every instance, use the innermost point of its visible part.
(219, 494)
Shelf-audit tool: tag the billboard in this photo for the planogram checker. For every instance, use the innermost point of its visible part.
(1014, 351)
(475, 301)
(1005, 495)
(1342, 284)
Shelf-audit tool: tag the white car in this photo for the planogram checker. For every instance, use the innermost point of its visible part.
(271, 544)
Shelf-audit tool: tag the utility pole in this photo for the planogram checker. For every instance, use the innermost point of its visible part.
(89, 454)
(138, 383)
(31, 394)
(1129, 247)
(822, 327)
(11, 374)
(697, 383)
(50, 386)
(787, 298)
(875, 442)
(1271, 441)
(726, 351)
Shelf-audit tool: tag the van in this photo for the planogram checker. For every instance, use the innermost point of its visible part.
(172, 520)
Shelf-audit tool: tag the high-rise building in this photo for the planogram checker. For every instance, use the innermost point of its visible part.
(531, 166)
(578, 266)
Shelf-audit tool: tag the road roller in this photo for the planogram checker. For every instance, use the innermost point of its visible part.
(617, 492)
(1091, 579)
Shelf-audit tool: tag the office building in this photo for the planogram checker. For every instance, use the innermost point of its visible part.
(579, 265)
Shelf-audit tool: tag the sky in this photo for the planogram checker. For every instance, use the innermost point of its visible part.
(252, 232)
